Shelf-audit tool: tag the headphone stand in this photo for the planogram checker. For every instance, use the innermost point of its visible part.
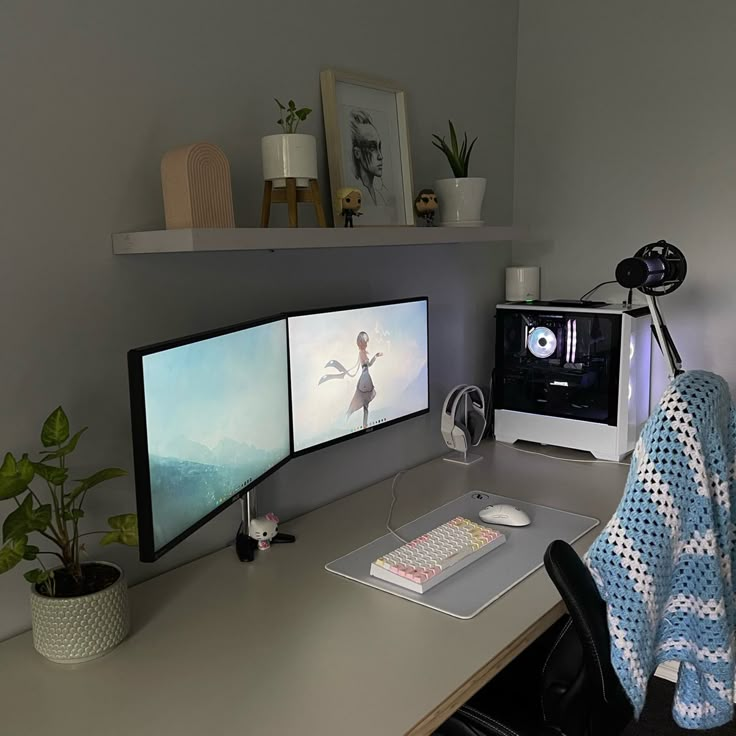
(462, 458)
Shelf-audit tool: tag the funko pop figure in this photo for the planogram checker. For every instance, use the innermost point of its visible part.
(349, 201)
(426, 205)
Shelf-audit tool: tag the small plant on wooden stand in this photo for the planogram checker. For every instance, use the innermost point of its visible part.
(58, 519)
(291, 116)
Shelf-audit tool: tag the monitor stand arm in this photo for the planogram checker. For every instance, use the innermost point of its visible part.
(244, 545)
(664, 339)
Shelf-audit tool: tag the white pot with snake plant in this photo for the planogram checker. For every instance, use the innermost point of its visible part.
(460, 198)
(79, 608)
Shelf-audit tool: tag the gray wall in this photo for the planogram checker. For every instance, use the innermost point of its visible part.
(625, 135)
(95, 91)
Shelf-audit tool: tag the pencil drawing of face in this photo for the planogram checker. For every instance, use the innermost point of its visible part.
(367, 151)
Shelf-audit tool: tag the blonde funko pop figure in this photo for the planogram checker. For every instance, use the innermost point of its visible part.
(348, 202)
(426, 205)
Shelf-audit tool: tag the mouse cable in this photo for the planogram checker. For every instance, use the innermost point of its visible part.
(391, 509)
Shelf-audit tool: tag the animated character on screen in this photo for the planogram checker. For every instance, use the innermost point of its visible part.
(365, 391)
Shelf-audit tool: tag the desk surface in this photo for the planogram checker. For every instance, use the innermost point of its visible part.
(284, 647)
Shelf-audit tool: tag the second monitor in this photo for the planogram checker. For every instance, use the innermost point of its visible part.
(353, 370)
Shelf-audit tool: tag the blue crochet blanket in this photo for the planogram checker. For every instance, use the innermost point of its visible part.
(665, 562)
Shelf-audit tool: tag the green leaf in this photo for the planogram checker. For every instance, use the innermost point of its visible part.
(30, 552)
(467, 156)
(302, 114)
(292, 106)
(279, 104)
(53, 474)
(68, 448)
(124, 530)
(453, 137)
(11, 554)
(14, 476)
(25, 519)
(72, 515)
(55, 428)
(37, 576)
(95, 479)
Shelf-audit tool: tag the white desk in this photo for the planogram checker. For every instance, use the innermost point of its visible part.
(283, 647)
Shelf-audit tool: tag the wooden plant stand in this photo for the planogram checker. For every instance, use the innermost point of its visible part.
(291, 195)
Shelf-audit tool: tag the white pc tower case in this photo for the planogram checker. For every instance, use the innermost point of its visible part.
(572, 376)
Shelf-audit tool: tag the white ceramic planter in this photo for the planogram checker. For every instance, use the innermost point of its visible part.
(289, 155)
(74, 630)
(461, 201)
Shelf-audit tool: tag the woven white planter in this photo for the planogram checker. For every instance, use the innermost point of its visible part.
(74, 630)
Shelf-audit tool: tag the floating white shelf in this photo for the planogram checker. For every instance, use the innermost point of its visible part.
(256, 238)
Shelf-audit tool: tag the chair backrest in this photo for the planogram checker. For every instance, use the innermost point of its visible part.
(581, 693)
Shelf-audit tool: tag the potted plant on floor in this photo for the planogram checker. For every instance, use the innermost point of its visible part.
(79, 609)
(289, 155)
(460, 198)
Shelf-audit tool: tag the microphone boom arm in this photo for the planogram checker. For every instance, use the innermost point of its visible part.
(664, 339)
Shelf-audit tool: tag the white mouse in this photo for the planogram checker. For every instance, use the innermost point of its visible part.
(504, 514)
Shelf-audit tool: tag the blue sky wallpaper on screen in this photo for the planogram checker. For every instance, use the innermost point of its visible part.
(217, 417)
(334, 392)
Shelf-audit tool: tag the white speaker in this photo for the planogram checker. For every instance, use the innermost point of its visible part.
(463, 422)
(522, 283)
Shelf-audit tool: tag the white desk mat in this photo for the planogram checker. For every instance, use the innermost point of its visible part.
(469, 591)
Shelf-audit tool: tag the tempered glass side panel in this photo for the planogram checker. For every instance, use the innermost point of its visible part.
(556, 363)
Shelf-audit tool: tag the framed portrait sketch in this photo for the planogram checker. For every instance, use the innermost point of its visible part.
(368, 146)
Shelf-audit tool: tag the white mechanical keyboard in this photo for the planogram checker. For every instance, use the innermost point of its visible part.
(427, 560)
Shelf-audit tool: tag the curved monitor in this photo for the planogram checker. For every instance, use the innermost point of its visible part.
(356, 369)
(210, 417)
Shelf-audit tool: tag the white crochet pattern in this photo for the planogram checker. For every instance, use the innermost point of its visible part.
(664, 563)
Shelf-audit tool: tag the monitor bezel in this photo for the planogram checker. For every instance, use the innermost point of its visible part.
(368, 430)
(142, 471)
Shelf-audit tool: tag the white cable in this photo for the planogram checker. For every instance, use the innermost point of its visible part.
(557, 457)
(393, 503)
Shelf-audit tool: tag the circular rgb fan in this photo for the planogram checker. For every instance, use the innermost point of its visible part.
(542, 342)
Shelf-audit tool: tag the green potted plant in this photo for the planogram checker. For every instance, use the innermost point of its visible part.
(289, 154)
(79, 609)
(461, 197)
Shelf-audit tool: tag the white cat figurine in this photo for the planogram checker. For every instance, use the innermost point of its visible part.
(263, 529)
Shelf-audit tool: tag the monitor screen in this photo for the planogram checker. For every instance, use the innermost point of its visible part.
(356, 369)
(210, 419)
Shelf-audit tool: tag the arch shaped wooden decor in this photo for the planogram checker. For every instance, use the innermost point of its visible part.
(196, 186)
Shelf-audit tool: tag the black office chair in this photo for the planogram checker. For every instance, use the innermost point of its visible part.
(572, 689)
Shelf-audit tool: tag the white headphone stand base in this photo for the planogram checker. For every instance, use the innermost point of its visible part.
(462, 458)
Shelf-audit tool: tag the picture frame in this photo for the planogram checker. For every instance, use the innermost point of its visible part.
(367, 139)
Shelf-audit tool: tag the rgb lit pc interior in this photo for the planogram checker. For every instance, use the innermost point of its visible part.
(213, 414)
(210, 417)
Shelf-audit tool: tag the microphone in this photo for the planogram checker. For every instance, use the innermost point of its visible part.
(656, 269)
